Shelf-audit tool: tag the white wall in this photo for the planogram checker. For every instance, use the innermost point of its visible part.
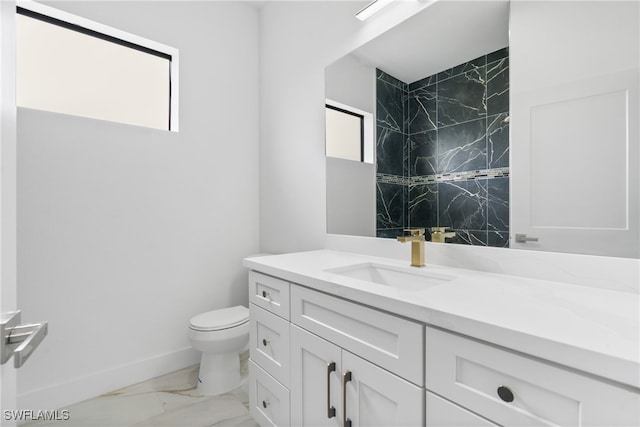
(351, 186)
(125, 233)
(351, 82)
(351, 197)
(297, 41)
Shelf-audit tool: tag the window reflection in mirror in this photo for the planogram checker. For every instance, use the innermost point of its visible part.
(345, 134)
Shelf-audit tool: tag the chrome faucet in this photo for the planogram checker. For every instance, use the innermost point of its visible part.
(438, 234)
(416, 237)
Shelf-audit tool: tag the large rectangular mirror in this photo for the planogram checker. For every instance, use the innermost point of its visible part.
(492, 124)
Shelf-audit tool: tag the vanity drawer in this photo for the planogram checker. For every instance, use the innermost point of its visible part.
(389, 341)
(269, 343)
(442, 413)
(270, 293)
(268, 399)
(483, 378)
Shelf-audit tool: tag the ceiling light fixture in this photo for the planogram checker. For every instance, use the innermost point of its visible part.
(372, 8)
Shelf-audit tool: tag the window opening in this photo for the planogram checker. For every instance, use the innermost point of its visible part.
(72, 65)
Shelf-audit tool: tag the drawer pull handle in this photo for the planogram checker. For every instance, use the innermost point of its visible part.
(265, 403)
(505, 394)
(346, 377)
(265, 341)
(266, 294)
(331, 411)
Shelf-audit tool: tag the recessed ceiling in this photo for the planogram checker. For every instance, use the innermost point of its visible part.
(445, 34)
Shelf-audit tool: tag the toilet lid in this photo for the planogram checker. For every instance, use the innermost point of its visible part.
(223, 318)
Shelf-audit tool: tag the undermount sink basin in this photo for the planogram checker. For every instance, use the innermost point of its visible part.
(409, 279)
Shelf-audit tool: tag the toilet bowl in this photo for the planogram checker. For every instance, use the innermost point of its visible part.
(220, 335)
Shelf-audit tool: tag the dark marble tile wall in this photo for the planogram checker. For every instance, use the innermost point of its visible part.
(454, 134)
(391, 155)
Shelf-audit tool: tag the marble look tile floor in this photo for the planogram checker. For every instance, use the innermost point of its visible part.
(167, 401)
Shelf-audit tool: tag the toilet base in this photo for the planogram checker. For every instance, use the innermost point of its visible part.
(219, 373)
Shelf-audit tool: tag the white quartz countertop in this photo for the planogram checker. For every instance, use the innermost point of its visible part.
(589, 329)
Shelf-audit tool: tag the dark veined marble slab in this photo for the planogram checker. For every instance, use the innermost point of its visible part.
(462, 147)
(450, 131)
(423, 206)
(462, 98)
(423, 153)
(498, 204)
(390, 205)
(498, 87)
(422, 109)
(390, 108)
(463, 205)
(469, 237)
(498, 141)
(472, 65)
(390, 152)
(498, 239)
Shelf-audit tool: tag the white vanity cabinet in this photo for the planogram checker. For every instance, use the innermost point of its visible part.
(332, 386)
(320, 360)
(269, 350)
(515, 390)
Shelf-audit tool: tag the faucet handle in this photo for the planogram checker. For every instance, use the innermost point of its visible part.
(438, 229)
(438, 234)
(415, 231)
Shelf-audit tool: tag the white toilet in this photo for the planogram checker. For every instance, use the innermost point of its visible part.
(220, 335)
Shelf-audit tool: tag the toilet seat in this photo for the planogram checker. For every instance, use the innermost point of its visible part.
(216, 320)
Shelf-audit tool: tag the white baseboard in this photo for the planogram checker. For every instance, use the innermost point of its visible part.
(57, 396)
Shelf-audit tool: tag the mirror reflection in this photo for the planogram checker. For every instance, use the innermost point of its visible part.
(509, 133)
(441, 111)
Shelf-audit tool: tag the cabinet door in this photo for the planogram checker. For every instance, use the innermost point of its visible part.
(375, 397)
(315, 380)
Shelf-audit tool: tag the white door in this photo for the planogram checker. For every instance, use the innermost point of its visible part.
(17, 341)
(7, 192)
(575, 126)
(315, 380)
(375, 397)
